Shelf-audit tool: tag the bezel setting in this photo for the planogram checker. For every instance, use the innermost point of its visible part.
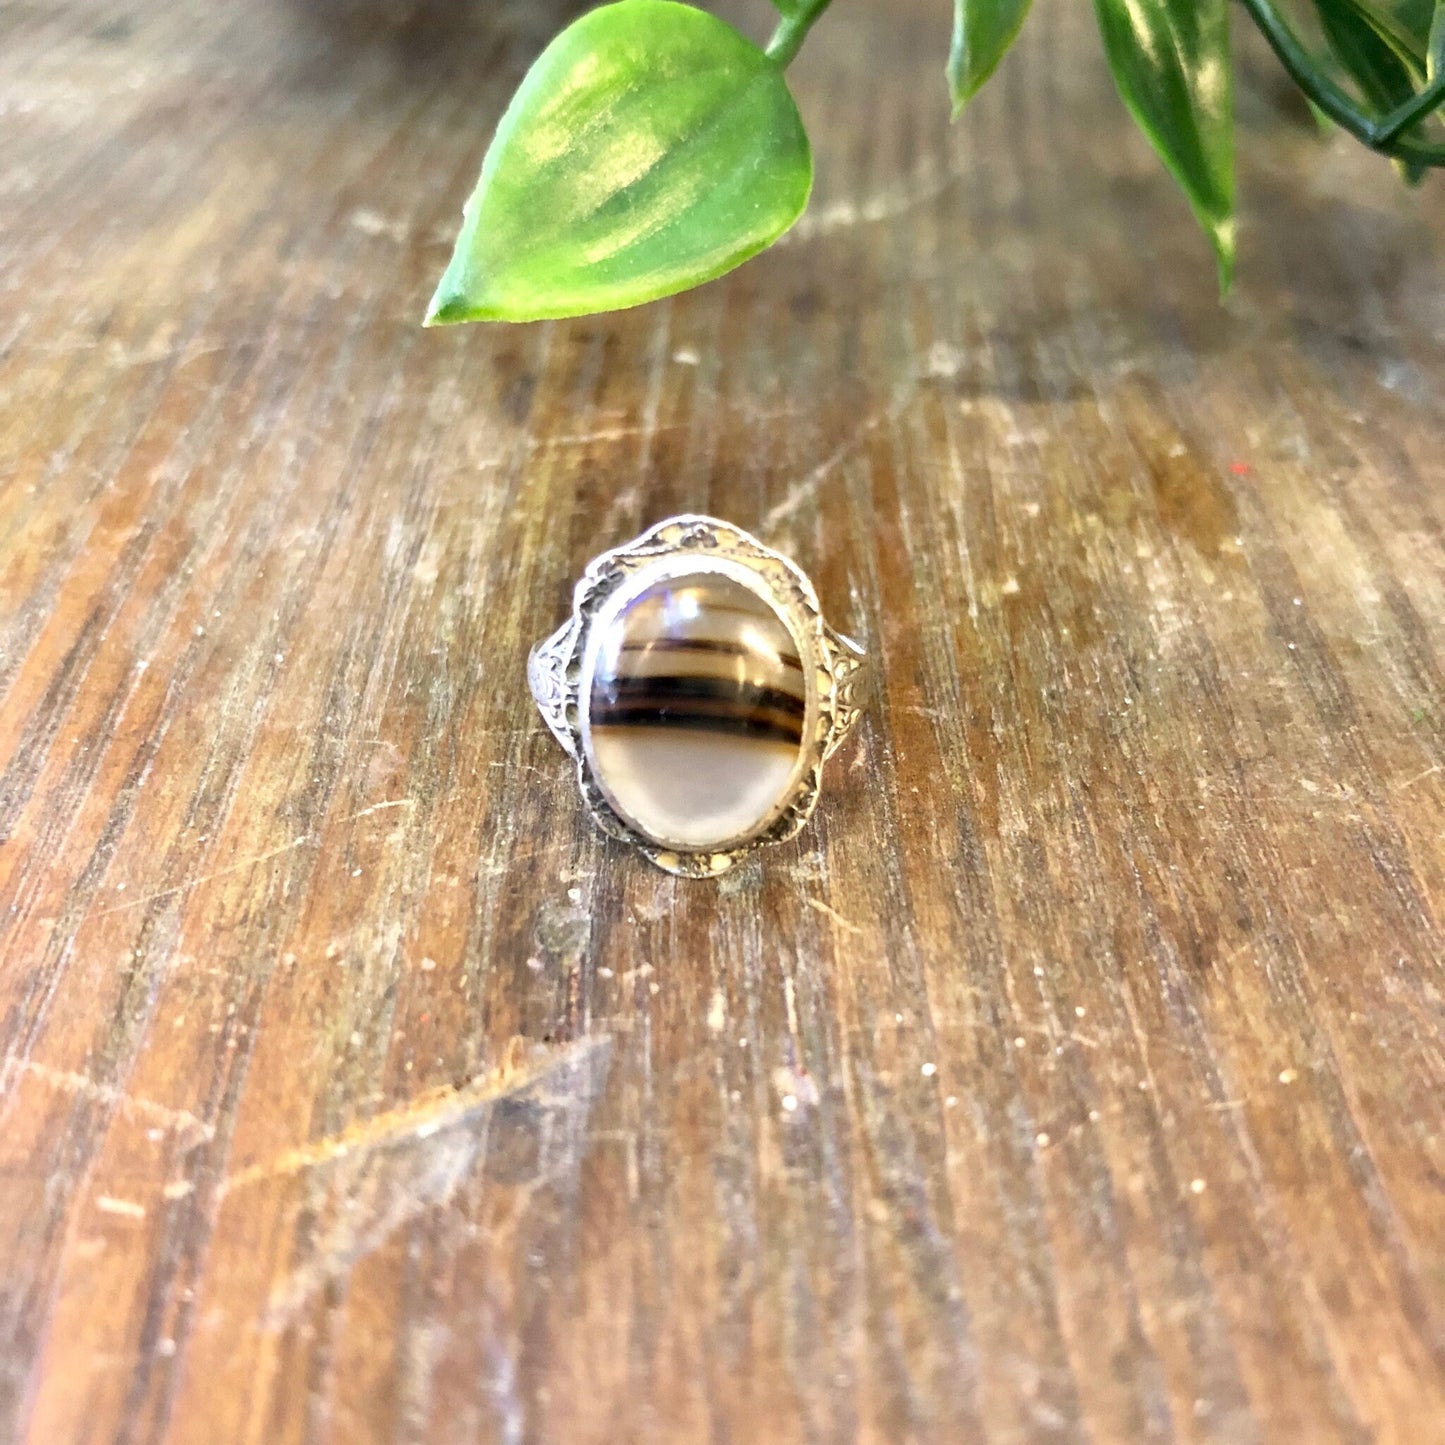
(560, 670)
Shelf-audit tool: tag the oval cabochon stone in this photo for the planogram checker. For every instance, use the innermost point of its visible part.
(697, 711)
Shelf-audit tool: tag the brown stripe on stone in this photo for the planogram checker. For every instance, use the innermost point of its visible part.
(706, 703)
(789, 660)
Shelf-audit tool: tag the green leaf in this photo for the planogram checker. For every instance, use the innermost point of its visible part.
(1415, 16)
(649, 149)
(983, 30)
(1371, 58)
(1435, 49)
(1372, 50)
(1170, 60)
(1404, 24)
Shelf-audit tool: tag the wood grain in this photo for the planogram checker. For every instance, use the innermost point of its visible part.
(1078, 1074)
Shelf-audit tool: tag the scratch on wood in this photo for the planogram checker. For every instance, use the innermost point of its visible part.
(1418, 778)
(127, 1208)
(377, 807)
(424, 1116)
(195, 883)
(386, 1172)
(628, 431)
(829, 912)
(244, 863)
(803, 489)
(82, 1085)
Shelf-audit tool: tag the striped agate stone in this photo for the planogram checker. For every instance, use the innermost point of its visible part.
(696, 711)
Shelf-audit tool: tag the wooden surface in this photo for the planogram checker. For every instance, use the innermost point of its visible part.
(1077, 1075)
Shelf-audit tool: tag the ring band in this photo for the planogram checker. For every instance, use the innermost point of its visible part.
(699, 691)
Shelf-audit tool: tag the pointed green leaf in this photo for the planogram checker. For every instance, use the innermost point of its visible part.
(1403, 24)
(1435, 51)
(1170, 60)
(649, 149)
(1372, 57)
(1372, 50)
(983, 30)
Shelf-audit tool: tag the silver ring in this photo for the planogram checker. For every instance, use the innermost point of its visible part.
(699, 691)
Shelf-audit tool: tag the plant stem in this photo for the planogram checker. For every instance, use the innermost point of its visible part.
(793, 30)
(1382, 135)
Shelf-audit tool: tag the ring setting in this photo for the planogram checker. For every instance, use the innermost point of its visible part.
(699, 691)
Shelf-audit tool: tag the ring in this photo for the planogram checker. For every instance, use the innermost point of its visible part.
(699, 691)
